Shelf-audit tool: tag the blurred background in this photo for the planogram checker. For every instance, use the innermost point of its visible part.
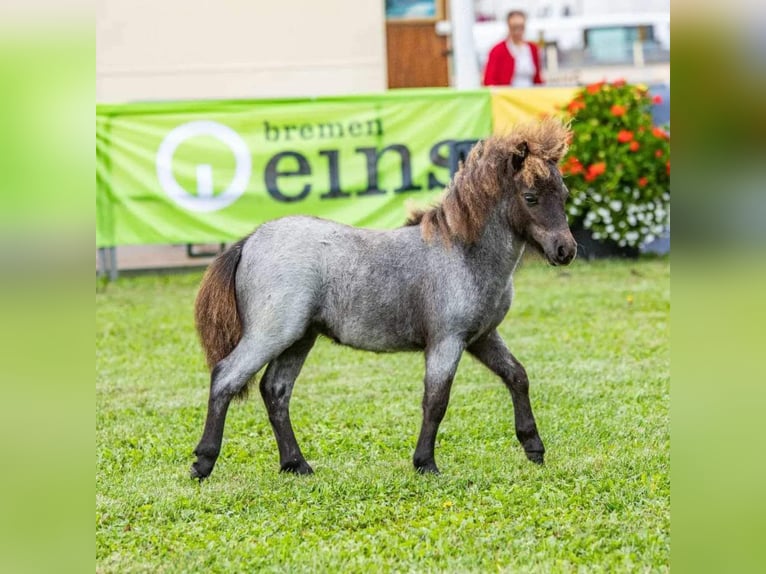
(240, 49)
(191, 50)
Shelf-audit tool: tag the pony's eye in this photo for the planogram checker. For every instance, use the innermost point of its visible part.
(530, 198)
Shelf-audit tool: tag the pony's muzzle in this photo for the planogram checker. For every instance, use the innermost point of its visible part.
(563, 250)
(566, 251)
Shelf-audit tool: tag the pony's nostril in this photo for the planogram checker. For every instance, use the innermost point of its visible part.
(561, 252)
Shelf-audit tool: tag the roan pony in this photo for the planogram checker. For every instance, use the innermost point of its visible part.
(440, 284)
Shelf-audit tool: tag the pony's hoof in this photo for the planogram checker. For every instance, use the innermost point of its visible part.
(201, 469)
(196, 474)
(535, 456)
(427, 468)
(297, 467)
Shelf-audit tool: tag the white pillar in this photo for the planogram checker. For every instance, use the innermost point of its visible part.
(464, 57)
(552, 59)
(638, 54)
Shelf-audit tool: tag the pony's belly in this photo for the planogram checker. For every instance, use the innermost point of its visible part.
(381, 337)
(381, 345)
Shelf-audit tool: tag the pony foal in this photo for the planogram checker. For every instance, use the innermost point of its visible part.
(440, 284)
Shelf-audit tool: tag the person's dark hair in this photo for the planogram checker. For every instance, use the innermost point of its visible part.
(513, 13)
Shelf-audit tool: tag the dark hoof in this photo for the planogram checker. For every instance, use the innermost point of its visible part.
(201, 469)
(297, 467)
(427, 468)
(535, 456)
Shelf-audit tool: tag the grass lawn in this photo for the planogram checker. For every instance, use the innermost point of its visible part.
(594, 338)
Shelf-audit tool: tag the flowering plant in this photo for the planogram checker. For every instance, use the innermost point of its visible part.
(618, 164)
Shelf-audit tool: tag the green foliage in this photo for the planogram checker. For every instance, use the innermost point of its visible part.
(618, 164)
(595, 340)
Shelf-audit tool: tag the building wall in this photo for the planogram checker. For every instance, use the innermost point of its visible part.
(556, 8)
(193, 49)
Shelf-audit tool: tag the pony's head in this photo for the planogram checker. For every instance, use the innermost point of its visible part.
(520, 168)
(526, 164)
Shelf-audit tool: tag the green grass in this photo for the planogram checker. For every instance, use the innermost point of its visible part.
(594, 338)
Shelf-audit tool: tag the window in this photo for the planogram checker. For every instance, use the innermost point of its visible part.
(608, 45)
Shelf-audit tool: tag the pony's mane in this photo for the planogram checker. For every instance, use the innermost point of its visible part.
(478, 184)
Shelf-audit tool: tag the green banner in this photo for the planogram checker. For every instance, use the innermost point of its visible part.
(203, 172)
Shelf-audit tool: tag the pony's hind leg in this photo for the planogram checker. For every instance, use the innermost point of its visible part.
(276, 389)
(229, 378)
(442, 359)
(493, 353)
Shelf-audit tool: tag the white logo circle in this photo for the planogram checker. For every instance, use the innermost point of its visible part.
(204, 201)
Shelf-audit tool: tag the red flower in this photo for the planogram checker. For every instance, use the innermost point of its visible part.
(624, 136)
(619, 83)
(634, 146)
(594, 170)
(658, 153)
(617, 110)
(575, 105)
(668, 167)
(659, 133)
(657, 99)
(594, 88)
(597, 168)
(642, 181)
(572, 166)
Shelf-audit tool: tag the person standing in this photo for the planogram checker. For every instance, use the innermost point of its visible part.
(514, 61)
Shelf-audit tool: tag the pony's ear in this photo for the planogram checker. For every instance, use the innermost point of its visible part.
(517, 159)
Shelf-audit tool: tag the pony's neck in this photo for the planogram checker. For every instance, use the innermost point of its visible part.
(498, 246)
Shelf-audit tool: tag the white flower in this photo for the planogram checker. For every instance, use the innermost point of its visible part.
(631, 220)
(649, 238)
(631, 236)
(596, 197)
(615, 205)
(609, 228)
(602, 212)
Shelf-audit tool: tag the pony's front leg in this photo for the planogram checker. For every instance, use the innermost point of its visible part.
(493, 353)
(442, 359)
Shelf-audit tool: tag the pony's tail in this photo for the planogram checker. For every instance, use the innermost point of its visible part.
(215, 310)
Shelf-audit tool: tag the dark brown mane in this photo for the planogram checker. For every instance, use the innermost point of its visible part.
(480, 181)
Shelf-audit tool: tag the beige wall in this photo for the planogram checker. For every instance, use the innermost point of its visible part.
(188, 49)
